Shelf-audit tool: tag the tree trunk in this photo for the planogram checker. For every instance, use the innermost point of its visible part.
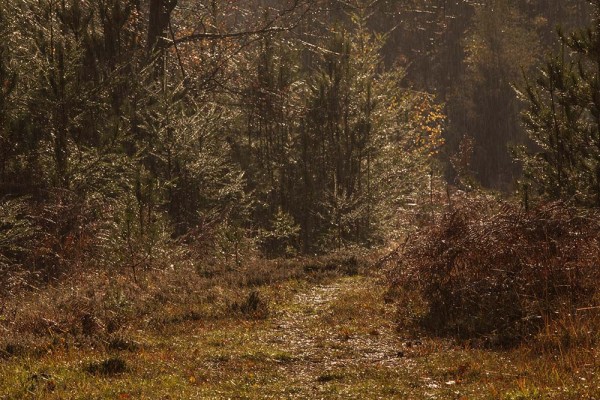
(158, 21)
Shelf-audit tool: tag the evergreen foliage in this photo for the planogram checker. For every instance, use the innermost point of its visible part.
(130, 128)
(123, 132)
(340, 134)
(562, 120)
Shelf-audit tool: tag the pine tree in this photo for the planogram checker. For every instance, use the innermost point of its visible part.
(369, 141)
(563, 120)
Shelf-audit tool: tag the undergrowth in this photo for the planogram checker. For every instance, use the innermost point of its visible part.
(493, 273)
(100, 308)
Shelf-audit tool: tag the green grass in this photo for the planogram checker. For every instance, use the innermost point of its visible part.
(334, 339)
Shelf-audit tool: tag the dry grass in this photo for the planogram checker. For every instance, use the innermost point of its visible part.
(489, 270)
(324, 336)
(96, 307)
(192, 326)
(332, 338)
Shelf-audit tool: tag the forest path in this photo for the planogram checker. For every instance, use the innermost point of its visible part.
(336, 333)
(334, 339)
(340, 340)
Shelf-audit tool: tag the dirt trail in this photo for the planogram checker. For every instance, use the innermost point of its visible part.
(334, 340)
(334, 331)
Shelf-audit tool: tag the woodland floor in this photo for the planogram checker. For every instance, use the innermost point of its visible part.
(333, 339)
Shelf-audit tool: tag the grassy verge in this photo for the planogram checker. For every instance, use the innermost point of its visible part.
(327, 333)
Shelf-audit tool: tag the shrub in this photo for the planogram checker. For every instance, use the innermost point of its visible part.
(44, 239)
(491, 268)
(282, 238)
(254, 306)
(18, 233)
(110, 366)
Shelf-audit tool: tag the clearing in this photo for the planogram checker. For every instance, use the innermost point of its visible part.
(331, 339)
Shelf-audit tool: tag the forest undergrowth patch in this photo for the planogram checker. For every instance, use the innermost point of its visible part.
(333, 336)
(497, 278)
(101, 308)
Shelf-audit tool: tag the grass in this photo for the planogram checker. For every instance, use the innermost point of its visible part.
(332, 337)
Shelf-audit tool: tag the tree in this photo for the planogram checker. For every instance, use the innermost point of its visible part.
(499, 47)
(469, 53)
(8, 82)
(562, 119)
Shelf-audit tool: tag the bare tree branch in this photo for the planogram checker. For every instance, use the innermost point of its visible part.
(268, 28)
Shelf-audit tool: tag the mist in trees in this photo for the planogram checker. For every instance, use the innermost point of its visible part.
(470, 54)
